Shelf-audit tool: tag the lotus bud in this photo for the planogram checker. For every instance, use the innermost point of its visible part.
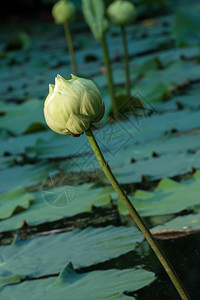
(121, 13)
(63, 11)
(73, 105)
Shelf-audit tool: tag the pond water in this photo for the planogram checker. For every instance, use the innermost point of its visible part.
(184, 255)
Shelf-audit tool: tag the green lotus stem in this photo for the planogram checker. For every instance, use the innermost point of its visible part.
(70, 47)
(109, 75)
(136, 217)
(126, 62)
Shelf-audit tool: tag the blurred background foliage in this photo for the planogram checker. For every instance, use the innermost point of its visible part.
(31, 6)
(164, 57)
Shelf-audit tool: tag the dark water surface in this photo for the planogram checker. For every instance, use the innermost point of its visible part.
(184, 255)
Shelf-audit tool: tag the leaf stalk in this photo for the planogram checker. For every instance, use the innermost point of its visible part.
(70, 47)
(109, 75)
(136, 217)
(126, 62)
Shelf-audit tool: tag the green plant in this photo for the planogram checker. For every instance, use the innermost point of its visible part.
(64, 12)
(123, 13)
(86, 91)
(93, 11)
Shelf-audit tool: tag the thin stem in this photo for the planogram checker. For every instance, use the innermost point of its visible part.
(109, 76)
(136, 217)
(126, 62)
(70, 47)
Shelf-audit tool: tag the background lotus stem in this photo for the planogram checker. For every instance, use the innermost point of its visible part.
(109, 76)
(70, 47)
(126, 62)
(136, 217)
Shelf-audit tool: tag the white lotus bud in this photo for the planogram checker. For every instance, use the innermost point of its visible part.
(72, 105)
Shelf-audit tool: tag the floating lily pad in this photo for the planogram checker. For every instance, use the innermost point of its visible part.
(186, 28)
(26, 117)
(17, 145)
(108, 284)
(26, 176)
(14, 201)
(188, 222)
(154, 92)
(158, 167)
(83, 247)
(57, 203)
(57, 146)
(169, 197)
(6, 161)
(129, 152)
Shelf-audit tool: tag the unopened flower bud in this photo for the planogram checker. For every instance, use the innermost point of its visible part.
(121, 13)
(72, 105)
(63, 11)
